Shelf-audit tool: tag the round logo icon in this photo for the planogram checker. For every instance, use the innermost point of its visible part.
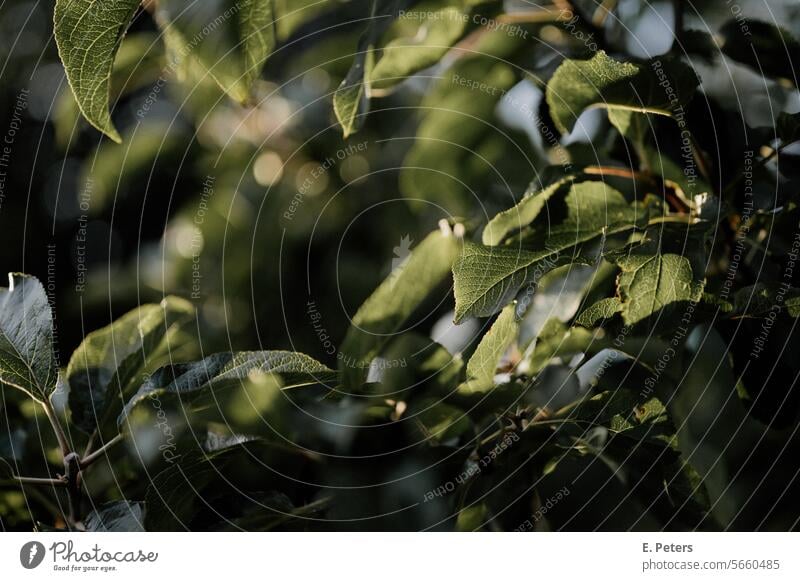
(31, 554)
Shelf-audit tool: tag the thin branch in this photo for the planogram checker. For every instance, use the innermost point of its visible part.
(91, 458)
(675, 201)
(39, 481)
(677, 6)
(89, 444)
(72, 465)
(620, 172)
(63, 443)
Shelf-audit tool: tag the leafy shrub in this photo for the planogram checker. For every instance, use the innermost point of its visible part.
(665, 235)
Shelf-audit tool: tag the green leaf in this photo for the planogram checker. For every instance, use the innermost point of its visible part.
(351, 99)
(191, 494)
(599, 311)
(438, 422)
(661, 87)
(763, 353)
(521, 215)
(229, 39)
(459, 149)
(487, 278)
(767, 49)
(27, 361)
(658, 162)
(760, 299)
(414, 362)
(642, 447)
(138, 63)
(556, 339)
(621, 410)
(393, 302)
(483, 364)
(420, 40)
(88, 35)
(701, 44)
(652, 281)
(472, 518)
(293, 15)
(107, 368)
(224, 370)
(793, 306)
(117, 516)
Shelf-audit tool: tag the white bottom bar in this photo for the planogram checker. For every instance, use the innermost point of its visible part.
(400, 556)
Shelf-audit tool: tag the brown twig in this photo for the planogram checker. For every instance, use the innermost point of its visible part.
(89, 459)
(40, 481)
(56, 423)
(675, 202)
(72, 476)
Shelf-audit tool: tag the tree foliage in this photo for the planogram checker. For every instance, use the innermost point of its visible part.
(646, 219)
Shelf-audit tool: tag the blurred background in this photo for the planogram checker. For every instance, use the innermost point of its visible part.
(263, 215)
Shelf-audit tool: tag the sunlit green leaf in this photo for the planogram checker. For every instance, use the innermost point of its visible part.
(489, 277)
(460, 143)
(652, 281)
(599, 311)
(394, 301)
(660, 87)
(421, 38)
(88, 35)
(138, 63)
(522, 214)
(483, 364)
(229, 40)
(351, 99)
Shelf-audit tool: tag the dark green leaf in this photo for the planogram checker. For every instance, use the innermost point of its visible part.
(225, 370)
(438, 422)
(115, 517)
(109, 365)
(788, 127)
(26, 337)
(764, 47)
(413, 362)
